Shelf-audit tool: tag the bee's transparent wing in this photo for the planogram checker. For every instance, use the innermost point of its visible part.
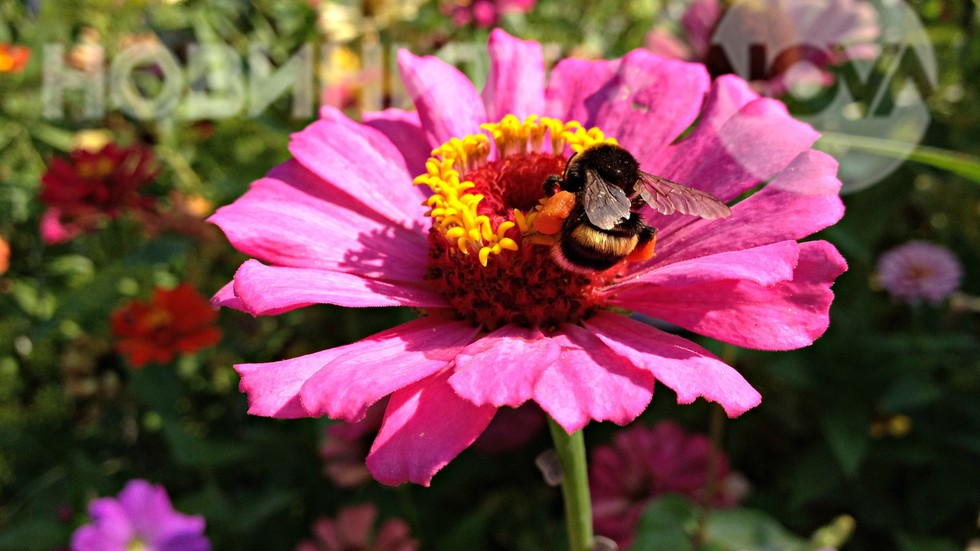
(667, 197)
(605, 205)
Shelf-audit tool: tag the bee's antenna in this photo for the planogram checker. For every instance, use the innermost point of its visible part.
(564, 173)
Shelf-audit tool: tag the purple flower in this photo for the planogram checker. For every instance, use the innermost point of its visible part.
(918, 271)
(141, 518)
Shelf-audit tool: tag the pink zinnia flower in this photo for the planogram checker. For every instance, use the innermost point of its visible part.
(645, 462)
(90, 187)
(140, 518)
(801, 39)
(352, 531)
(920, 271)
(342, 224)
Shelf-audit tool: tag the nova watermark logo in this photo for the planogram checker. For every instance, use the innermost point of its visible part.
(852, 69)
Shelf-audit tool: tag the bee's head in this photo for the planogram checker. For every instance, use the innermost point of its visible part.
(613, 163)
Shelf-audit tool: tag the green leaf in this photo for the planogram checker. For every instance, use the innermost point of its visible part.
(34, 534)
(909, 392)
(748, 530)
(189, 449)
(666, 525)
(846, 431)
(915, 543)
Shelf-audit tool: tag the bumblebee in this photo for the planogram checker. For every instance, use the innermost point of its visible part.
(593, 209)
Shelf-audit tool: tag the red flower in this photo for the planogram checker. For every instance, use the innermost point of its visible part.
(175, 320)
(645, 462)
(13, 58)
(90, 187)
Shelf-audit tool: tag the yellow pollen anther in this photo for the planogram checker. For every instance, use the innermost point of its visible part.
(455, 211)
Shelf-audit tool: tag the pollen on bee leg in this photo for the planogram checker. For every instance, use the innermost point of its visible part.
(643, 251)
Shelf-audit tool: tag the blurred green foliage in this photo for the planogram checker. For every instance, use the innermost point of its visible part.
(879, 420)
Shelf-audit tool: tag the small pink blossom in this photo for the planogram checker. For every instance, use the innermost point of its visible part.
(484, 13)
(643, 463)
(352, 530)
(920, 271)
(342, 223)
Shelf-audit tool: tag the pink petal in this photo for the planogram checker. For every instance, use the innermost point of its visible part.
(404, 129)
(728, 94)
(273, 387)
(288, 219)
(447, 103)
(685, 367)
(750, 147)
(763, 265)
(650, 102)
(800, 201)
(225, 297)
(699, 22)
(53, 230)
(361, 162)
(269, 290)
(502, 368)
(575, 88)
(784, 316)
(373, 368)
(515, 84)
(589, 381)
(426, 425)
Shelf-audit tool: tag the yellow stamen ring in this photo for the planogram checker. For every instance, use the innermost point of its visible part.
(454, 211)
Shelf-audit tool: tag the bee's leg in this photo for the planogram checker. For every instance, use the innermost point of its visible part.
(551, 217)
(645, 245)
(552, 185)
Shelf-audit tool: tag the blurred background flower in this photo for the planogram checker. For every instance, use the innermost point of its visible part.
(483, 13)
(13, 58)
(173, 321)
(4, 256)
(345, 446)
(93, 186)
(140, 518)
(919, 271)
(353, 530)
(644, 462)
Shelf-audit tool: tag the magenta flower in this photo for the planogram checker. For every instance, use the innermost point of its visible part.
(800, 39)
(141, 518)
(353, 531)
(645, 462)
(920, 271)
(341, 223)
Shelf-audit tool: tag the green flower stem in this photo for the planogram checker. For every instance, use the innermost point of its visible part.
(574, 486)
